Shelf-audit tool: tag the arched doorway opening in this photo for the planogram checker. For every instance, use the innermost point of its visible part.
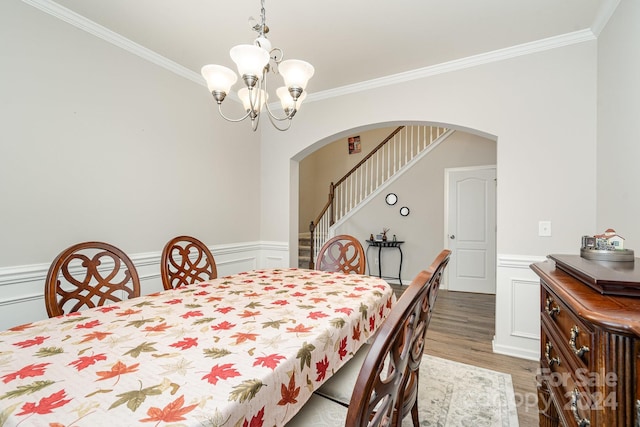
(420, 189)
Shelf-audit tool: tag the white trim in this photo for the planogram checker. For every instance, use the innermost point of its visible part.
(607, 8)
(91, 27)
(514, 351)
(22, 299)
(459, 64)
(116, 39)
(518, 261)
(38, 272)
(514, 274)
(22, 287)
(23, 273)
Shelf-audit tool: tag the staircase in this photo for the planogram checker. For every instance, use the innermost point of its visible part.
(395, 153)
(304, 249)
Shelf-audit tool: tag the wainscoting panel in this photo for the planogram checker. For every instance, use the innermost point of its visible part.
(22, 287)
(517, 307)
(521, 314)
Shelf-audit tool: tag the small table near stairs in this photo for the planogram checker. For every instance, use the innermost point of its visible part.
(380, 244)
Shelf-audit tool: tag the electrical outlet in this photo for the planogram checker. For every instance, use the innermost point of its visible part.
(544, 228)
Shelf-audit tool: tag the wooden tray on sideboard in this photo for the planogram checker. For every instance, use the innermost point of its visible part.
(606, 277)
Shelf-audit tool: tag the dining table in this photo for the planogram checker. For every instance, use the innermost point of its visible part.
(244, 350)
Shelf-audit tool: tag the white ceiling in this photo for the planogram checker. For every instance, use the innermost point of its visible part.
(347, 41)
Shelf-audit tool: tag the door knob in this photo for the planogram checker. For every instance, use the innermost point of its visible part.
(452, 236)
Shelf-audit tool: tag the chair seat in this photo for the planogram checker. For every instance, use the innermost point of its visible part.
(340, 386)
(319, 412)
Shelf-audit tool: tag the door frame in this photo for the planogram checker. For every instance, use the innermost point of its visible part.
(447, 172)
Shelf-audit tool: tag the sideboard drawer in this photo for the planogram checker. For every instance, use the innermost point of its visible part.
(573, 334)
(589, 352)
(569, 390)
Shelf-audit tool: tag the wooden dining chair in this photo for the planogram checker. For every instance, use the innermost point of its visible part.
(342, 253)
(87, 275)
(381, 377)
(408, 400)
(340, 386)
(186, 260)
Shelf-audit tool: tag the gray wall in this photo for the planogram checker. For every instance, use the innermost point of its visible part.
(540, 107)
(421, 189)
(618, 167)
(99, 144)
(327, 165)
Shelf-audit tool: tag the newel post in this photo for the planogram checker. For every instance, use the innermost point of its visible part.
(312, 227)
(332, 189)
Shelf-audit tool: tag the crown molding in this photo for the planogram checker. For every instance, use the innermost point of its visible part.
(460, 64)
(91, 27)
(607, 8)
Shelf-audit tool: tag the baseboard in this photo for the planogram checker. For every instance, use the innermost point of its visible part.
(514, 352)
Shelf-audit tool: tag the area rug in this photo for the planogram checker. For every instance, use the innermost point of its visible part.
(454, 394)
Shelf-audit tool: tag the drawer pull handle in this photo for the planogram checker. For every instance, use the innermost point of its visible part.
(572, 342)
(551, 311)
(582, 422)
(547, 353)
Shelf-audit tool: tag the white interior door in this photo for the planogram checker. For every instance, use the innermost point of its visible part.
(471, 228)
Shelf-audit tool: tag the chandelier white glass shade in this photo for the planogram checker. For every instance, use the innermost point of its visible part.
(253, 62)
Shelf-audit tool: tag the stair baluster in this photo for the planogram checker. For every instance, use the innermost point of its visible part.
(402, 145)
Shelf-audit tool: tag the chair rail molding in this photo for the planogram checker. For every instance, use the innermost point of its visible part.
(518, 261)
(22, 287)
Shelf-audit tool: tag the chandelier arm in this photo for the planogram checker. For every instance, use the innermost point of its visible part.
(277, 55)
(255, 96)
(272, 116)
(229, 119)
(275, 117)
(275, 124)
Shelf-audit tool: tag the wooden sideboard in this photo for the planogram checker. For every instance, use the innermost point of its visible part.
(590, 343)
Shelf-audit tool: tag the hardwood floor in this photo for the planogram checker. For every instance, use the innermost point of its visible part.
(462, 328)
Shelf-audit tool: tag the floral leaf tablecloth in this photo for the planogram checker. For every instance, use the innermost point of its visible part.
(242, 350)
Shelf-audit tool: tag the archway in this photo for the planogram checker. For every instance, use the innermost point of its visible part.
(424, 227)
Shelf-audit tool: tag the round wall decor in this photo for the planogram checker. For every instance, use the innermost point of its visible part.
(404, 211)
(391, 199)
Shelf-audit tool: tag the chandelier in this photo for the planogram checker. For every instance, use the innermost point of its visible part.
(254, 62)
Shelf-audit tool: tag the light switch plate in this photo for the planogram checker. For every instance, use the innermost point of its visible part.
(544, 228)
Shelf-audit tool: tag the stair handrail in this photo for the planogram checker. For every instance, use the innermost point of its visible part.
(332, 186)
(368, 156)
(335, 208)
